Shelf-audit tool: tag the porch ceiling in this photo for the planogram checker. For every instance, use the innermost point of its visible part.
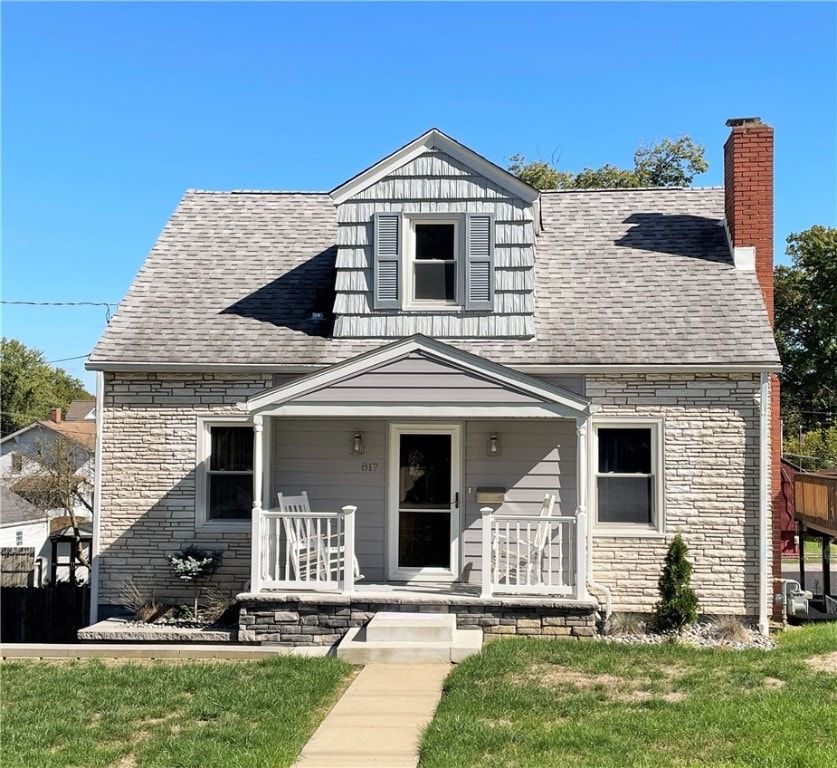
(418, 377)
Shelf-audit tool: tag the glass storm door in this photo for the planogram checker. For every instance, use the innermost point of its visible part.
(424, 503)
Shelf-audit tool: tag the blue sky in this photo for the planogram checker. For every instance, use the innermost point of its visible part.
(110, 111)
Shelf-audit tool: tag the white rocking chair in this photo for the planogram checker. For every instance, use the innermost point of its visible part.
(524, 558)
(315, 553)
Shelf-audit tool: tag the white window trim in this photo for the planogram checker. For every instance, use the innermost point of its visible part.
(204, 447)
(409, 250)
(18, 538)
(657, 427)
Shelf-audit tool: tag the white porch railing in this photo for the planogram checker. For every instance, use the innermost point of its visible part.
(533, 555)
(306, 550)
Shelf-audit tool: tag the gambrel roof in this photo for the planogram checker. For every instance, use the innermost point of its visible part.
(622, 277)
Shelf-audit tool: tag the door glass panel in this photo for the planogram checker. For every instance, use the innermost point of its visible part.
(423, 540)
(424, 501)
(424, 472)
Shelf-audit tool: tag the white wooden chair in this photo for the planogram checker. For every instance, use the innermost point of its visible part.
(315, 553)
(523, 558)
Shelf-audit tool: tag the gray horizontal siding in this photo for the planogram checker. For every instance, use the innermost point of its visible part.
(417, 379)
(436, 183)
(313, 455)
(537, 458)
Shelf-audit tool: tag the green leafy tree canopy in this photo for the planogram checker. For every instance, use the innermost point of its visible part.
(30, 387)
(668, 163)
(806, 329)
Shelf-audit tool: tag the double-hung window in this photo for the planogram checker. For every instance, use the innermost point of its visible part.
(628, 480)
(434, 253)
(225, 488)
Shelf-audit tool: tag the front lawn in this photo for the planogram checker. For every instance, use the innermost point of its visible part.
(111, 714)
(528, 702)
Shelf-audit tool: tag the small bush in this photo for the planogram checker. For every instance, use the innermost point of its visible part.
(678, 603)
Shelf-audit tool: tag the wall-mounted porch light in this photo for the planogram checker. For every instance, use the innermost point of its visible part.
(493, 444)
(356, 446)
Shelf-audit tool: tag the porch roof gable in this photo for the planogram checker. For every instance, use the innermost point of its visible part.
(418, 373)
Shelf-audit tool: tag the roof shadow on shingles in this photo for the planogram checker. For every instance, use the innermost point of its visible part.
(696, 237)
(291, 299)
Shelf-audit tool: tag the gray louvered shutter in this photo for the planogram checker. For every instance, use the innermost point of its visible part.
(387, 261)
(479, 257)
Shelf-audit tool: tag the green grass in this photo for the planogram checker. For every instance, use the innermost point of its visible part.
(255, 714)
(559, 703)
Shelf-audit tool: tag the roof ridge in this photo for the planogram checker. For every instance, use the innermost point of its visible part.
(254, 192)
(630, 189)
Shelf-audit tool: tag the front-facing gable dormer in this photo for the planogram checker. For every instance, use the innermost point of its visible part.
(437, 240)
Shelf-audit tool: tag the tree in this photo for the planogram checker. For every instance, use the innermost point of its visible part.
(669, 163)
(678, 603)
(805, 296)
(56, 484)
(31, 387)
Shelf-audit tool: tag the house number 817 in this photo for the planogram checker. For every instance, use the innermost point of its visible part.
(369, 466)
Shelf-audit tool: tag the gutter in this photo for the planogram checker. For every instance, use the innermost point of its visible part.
(97, 498)
(526, 368)
(765, 581)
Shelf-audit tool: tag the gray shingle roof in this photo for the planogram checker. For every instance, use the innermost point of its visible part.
(622, 277)
(16, 510)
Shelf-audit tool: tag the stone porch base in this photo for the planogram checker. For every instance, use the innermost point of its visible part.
(299, 618)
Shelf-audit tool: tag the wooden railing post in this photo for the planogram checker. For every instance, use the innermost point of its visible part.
(487, 519)
(581, 554)
(349, 549)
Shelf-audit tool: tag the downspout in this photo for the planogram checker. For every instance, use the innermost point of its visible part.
(97, 498)
(582, 427)
(764, 503)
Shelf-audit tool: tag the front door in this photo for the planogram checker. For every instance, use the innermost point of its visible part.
(424, 485)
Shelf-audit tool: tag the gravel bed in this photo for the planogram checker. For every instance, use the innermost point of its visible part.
(700, 635)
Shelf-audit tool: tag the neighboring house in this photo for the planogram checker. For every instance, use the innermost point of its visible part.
(24, 531)
(22, 474)
(81, 410)
(439, 345)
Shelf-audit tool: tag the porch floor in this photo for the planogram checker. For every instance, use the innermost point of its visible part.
(428, 593)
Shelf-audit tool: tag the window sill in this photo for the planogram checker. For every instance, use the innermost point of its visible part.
(627, 532)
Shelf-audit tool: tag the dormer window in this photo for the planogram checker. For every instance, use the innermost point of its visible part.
(430, 261)
(433, 273)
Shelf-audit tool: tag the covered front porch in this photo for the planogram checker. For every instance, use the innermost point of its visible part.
(433, 477)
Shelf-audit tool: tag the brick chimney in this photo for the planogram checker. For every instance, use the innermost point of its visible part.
(748, 199)
(55, 415)
(748, 204)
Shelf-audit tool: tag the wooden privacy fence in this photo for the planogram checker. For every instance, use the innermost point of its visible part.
(16, 566)
(51, 614)
(815, 498)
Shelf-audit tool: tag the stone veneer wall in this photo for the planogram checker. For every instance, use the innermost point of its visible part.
(711, 472)
(711, 469)
(323, 621)
(148, 479)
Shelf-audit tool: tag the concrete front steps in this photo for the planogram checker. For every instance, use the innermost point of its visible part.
(409, 638)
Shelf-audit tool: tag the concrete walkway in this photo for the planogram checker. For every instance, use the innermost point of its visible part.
(379, 719)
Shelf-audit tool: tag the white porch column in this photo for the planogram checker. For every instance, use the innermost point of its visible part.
(486, 513)
(256, 527)
(349, 549)
(583, 539)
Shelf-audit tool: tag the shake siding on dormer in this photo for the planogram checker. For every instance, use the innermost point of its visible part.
(435, 183)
